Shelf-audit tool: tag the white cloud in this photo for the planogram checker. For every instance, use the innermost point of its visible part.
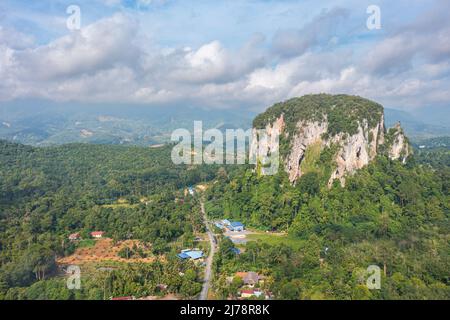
(322, 29)
(111, 60)
(98, 46)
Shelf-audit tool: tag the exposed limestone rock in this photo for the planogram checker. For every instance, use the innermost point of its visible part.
(399, 147)
(308, 133)
(351, 128)
(267, 144)
(355, 151)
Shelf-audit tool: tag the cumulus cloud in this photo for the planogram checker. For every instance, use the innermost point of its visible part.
(213, 63)
(110, 61)
(322, 29)
(425, 39)
(15, 40)
(96, 47)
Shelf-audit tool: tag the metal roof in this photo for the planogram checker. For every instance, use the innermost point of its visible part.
(195, 254)
(183, 256)
(190, 254)
(237, 224)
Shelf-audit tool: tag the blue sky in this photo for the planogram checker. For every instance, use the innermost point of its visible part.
(241, 53)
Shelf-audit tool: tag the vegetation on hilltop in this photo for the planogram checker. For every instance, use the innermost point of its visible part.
(343, 112)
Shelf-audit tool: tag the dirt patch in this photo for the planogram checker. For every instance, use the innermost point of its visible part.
(104, 250)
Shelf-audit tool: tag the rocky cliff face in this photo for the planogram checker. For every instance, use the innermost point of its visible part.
(399, 148)
(354, 151)
(357, 150)
(354, 138)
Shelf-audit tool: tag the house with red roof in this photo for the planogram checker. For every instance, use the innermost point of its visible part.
(97, 234)
(250, 293)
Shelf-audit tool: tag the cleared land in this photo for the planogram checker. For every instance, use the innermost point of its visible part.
(102, 250)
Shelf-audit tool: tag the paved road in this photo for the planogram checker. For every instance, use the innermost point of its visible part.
(209, 260)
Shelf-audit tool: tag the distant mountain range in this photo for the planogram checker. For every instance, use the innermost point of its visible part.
(129, 125)
(422, 124)
(43, 123)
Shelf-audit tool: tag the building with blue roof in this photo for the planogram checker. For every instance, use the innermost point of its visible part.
(194, 255)
(183, 256)
(236, 226)
(190, 254)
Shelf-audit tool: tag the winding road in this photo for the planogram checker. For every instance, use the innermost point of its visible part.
(209, 261)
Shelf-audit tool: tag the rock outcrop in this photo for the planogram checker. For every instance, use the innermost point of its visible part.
(354, 152)
(399, 148)
(353, 148)
(308, 134)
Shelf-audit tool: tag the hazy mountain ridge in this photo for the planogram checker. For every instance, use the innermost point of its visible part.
(51, 123)
(134, 125)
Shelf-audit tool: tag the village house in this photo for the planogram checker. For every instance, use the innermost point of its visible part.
(236, 226)
(231, 226)
(250, 278)
(190, 254)
(250, 293)
(74, 236)
(97, 234)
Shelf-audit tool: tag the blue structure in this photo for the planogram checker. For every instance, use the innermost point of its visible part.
(194, 255)
(236, 226)
(190, 254)
(226, 222)
(183, 256)
(235, 250)
(219, 225)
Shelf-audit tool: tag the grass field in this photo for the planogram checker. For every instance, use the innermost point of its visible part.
(274, 239)
(87, 243)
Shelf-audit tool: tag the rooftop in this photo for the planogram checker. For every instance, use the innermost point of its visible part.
(190, 254)
(237, 224)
